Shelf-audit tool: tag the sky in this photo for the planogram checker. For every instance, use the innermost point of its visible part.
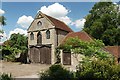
(19, 15)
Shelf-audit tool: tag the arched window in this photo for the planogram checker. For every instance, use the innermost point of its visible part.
(48, 34)
(39, 38)
(31, 36)
(39, 23)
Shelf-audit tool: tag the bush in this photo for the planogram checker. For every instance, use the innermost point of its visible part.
(56, 72)
(6, 77)
(98, 69)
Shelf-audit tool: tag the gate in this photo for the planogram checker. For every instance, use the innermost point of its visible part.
(41, 54)
(66, 58)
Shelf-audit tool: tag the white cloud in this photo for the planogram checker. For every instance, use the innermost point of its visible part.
(115, 3)
(65, 19)
(25, 21)
(2, 12)
(55, 10)
(18, 30)
(79, 23)
(58, 11)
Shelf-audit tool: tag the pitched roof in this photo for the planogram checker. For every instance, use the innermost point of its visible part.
(115, 50)
(59, 24)
(82, 35)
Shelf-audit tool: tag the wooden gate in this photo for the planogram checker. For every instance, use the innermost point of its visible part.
(66, 58)
(40, 55)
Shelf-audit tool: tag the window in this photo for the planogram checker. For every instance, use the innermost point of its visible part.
(39, 38)
(39, 23)
(48, 34)
(31, 36)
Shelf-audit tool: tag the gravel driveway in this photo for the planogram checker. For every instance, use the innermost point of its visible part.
(22, 70)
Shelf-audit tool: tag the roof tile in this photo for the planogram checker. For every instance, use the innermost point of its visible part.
(115, 50)
(59, 24)
(82, 35)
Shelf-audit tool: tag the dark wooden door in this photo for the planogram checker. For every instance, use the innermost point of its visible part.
(45, 55)
(31, 53)
(48, 55)
(67, 58)
(34, 55)
(42, 55)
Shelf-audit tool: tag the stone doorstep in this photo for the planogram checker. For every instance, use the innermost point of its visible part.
(29, 77)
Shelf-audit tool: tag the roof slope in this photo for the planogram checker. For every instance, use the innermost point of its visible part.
(59, 24)
(115, 50)
(82, 35)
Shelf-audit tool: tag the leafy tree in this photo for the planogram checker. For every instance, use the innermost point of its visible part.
(102, 22)
(2, 20)
(1, 31)
(9, 53)
(15, 45)
(90, 49)
(18, 41)
(98, 70)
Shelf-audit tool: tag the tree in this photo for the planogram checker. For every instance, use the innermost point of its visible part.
(88, 49)
(15, 45)
(2, 20)
(102, 20)
(18, 41)
(98, 70)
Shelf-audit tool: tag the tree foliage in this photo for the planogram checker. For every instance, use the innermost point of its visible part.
(90, 49)
(103, 23)
(16, 44)
(56, 72)
(18, 41)
(98, 70)
(4, 76)
(2, 20)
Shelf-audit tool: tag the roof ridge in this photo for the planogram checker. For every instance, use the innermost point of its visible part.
(57, 20)
(87, 34)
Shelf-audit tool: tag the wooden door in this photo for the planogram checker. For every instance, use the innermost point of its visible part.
(67, 58)
(45, 55)
(34, 55)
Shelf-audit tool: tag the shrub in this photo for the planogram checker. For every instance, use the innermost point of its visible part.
(56, 72)
(5, 77)
(98, 69)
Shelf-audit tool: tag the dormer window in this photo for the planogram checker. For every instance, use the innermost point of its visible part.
(39, 23)
(31, 36)
(48, 34)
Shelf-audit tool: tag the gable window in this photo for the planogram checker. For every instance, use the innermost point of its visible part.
(39, 23)
(39, 38)
(31, 36)
(48, 34)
